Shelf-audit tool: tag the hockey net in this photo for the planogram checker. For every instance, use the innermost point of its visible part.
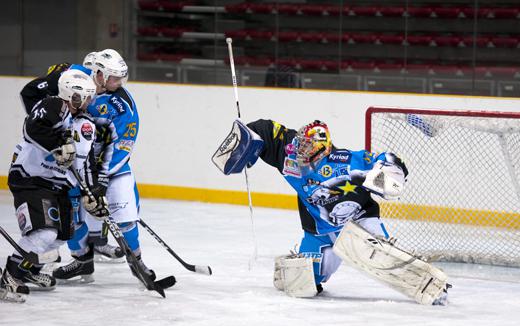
(461, 201)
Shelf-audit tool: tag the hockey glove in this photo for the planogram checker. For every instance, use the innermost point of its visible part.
(65, 154)
(386, 180)
(96, 206)
(100, 189)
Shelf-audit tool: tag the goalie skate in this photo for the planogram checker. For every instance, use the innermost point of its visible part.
(400, 270)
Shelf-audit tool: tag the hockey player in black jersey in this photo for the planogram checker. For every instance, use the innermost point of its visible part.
(43, 87)
(39, 179)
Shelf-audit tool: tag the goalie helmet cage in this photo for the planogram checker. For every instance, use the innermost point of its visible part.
(461, 202)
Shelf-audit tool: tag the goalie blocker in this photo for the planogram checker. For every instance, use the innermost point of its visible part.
(241, 148)
(400, 270)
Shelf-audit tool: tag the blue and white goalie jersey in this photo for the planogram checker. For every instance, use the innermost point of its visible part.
(329, 195)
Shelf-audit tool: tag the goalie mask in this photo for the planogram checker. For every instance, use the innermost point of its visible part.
(313, 144)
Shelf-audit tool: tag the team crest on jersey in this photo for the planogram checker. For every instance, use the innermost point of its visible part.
(290, 167)
(87, 131)
(326, 171)
(117, 104)
(102, 109)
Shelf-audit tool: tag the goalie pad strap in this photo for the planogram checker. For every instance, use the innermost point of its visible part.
(400, 270)
(294, 275)
(241, 148)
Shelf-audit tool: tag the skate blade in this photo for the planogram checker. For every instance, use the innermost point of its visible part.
(76, 280)
(34, 287)
(12, 297)
(98, 258)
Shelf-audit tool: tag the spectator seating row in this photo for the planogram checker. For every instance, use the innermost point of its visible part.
(509, 41)
(435, 11)
(165, 31)
(430, 68)
(369, 10)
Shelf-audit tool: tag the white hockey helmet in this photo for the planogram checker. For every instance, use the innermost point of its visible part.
(89, 59)
(110, 63)
(76, 87)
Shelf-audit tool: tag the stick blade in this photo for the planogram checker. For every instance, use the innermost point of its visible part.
(203, 270)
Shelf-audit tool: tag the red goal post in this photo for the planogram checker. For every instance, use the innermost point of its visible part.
(461, 201)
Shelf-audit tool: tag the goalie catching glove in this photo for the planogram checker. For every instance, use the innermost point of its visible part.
(387, 178)
(241, 148)
(96, 206)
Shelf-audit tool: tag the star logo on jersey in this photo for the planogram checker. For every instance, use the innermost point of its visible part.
(348, 188)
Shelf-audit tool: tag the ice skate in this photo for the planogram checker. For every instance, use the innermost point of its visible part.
(108, 254)
(80, 270)
(12, 289)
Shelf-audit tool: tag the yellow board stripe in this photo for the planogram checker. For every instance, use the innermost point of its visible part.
(439, 214)
(442, 214)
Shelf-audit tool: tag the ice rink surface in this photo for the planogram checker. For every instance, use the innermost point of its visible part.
(220, 236)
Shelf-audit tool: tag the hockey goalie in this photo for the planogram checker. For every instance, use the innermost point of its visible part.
(339, 217)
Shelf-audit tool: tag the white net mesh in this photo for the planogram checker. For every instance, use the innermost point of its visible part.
(462, 198)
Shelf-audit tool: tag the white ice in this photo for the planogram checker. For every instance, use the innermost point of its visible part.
(220, 236)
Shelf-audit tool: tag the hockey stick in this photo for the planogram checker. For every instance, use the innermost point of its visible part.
(194, 268)
(30, 256)
(235, 90)
(157, 286)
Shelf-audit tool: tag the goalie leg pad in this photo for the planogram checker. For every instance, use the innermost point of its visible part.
(400, 270)
(294, 275)
(241, 148)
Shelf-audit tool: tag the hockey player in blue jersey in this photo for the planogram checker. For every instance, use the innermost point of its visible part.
(334, 187)
(115, 114)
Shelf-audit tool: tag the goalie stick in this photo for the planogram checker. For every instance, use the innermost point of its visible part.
(194, 268)
(157, 286)
(229, 42)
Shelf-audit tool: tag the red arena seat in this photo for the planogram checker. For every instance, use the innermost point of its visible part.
(311, 9)
(260, 35)
(288, 36)
(311, 36)
(238, 8)
(482, 41)
(447, 12)
(506, 13)
(288, 9)
(240, 34)
(364, 10)
(505, 41)
(419, 39)
(364, 38)
(262, 8)
(447, 40)
(420, 11)
(392, 11)
(391, 38)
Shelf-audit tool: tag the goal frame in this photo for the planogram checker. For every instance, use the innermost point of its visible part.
(461, 113)
(434, 254)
